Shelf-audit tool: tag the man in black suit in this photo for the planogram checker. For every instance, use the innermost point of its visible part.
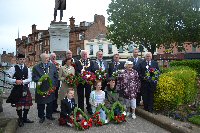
(136, 61)
(84, 64)
(148, 87)
(100, 63)
(115, 65)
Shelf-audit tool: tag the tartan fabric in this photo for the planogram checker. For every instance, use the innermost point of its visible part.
(25, 101)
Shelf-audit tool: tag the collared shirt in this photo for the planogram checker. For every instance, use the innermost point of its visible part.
(11, 72)
(101, 65)
(135, 60)
(148, 63)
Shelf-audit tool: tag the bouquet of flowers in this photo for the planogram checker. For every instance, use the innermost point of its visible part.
(152, 75)
(71, 80)
(100, 74)
(87, 77)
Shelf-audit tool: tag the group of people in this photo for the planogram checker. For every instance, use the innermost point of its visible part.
(54, 94)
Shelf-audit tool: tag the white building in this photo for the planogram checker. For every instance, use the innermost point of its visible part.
(108, 49)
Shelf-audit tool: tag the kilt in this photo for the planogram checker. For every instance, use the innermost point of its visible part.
(25, 101)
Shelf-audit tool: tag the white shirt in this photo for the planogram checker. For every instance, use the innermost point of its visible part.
(103, 67)
(11, 72)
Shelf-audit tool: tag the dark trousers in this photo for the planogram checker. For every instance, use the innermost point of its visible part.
(80, 93)
(148, 96)
(55, 105)
(138, 98)
(41, 108)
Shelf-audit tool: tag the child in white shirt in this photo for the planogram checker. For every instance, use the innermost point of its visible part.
(98, 97)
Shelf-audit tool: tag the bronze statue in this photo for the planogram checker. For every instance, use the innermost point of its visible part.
(59, 5)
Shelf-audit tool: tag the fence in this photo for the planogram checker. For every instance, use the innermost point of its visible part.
(6, 87)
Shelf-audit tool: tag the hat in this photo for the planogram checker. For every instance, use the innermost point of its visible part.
(128, 63)
(20, 56)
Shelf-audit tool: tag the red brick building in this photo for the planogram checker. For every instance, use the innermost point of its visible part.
(38, 41)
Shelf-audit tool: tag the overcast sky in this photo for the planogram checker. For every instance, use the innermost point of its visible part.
(21, 14)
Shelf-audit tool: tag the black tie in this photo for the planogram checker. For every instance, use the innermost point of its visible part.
(148, 63)
(21, 67)
(84, 63)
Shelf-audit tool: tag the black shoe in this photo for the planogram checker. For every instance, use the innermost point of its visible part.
(56, 111)
(41, 120)
(20, 123)
(27, 121)
(50, 118)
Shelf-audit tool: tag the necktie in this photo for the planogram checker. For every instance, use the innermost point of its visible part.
(21, 67)
(84, 63)
(100, 63)
(70, 103)
(135, 61)
(148, 63)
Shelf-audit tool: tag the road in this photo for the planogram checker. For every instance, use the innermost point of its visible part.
(139, 125)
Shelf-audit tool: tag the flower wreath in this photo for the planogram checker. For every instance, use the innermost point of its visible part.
(100, 74)
(96, 117)
(152, 74)
(82, 124)
(87, 77)
(119, 118)
(71, 80)
(50, 90)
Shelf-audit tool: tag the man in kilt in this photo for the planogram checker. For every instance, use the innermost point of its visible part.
(20, 76)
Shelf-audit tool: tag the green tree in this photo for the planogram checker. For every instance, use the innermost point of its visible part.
(151, 23)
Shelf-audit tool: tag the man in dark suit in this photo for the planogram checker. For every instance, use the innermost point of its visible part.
(84, 64)
(115, 65)
(136, 64)
(148, 87)
(100, 63)
(43, 68)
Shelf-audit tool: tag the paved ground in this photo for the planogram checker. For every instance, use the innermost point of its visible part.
(138, 125)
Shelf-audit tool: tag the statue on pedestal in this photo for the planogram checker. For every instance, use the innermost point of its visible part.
(59, 5)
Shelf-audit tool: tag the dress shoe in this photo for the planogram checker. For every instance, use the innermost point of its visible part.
(20, 123)
(28, 121)
(56, 111)
(41, 120)
(51, 118)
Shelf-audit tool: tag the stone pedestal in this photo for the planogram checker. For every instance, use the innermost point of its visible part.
(59, 39)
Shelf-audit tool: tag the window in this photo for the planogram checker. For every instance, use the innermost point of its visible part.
(193, 48)
(120, 49)
(101, 47)
(110, 49)
(91, 49)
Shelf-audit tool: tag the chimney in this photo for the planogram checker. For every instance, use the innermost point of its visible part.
(33, 28)
(99, 19)
(72, 22)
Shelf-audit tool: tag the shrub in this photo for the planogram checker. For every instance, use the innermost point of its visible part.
(195, 119)
(177, 86)
(194, 64)
(169, 93)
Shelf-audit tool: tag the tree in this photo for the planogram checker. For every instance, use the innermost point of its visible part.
(151, 23)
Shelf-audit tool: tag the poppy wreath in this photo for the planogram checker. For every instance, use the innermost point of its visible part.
(96, 117)
(118, 118)
(83, 123)
(50, 90)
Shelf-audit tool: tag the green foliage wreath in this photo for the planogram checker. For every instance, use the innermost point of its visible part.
(107, 112)
(50, 90)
